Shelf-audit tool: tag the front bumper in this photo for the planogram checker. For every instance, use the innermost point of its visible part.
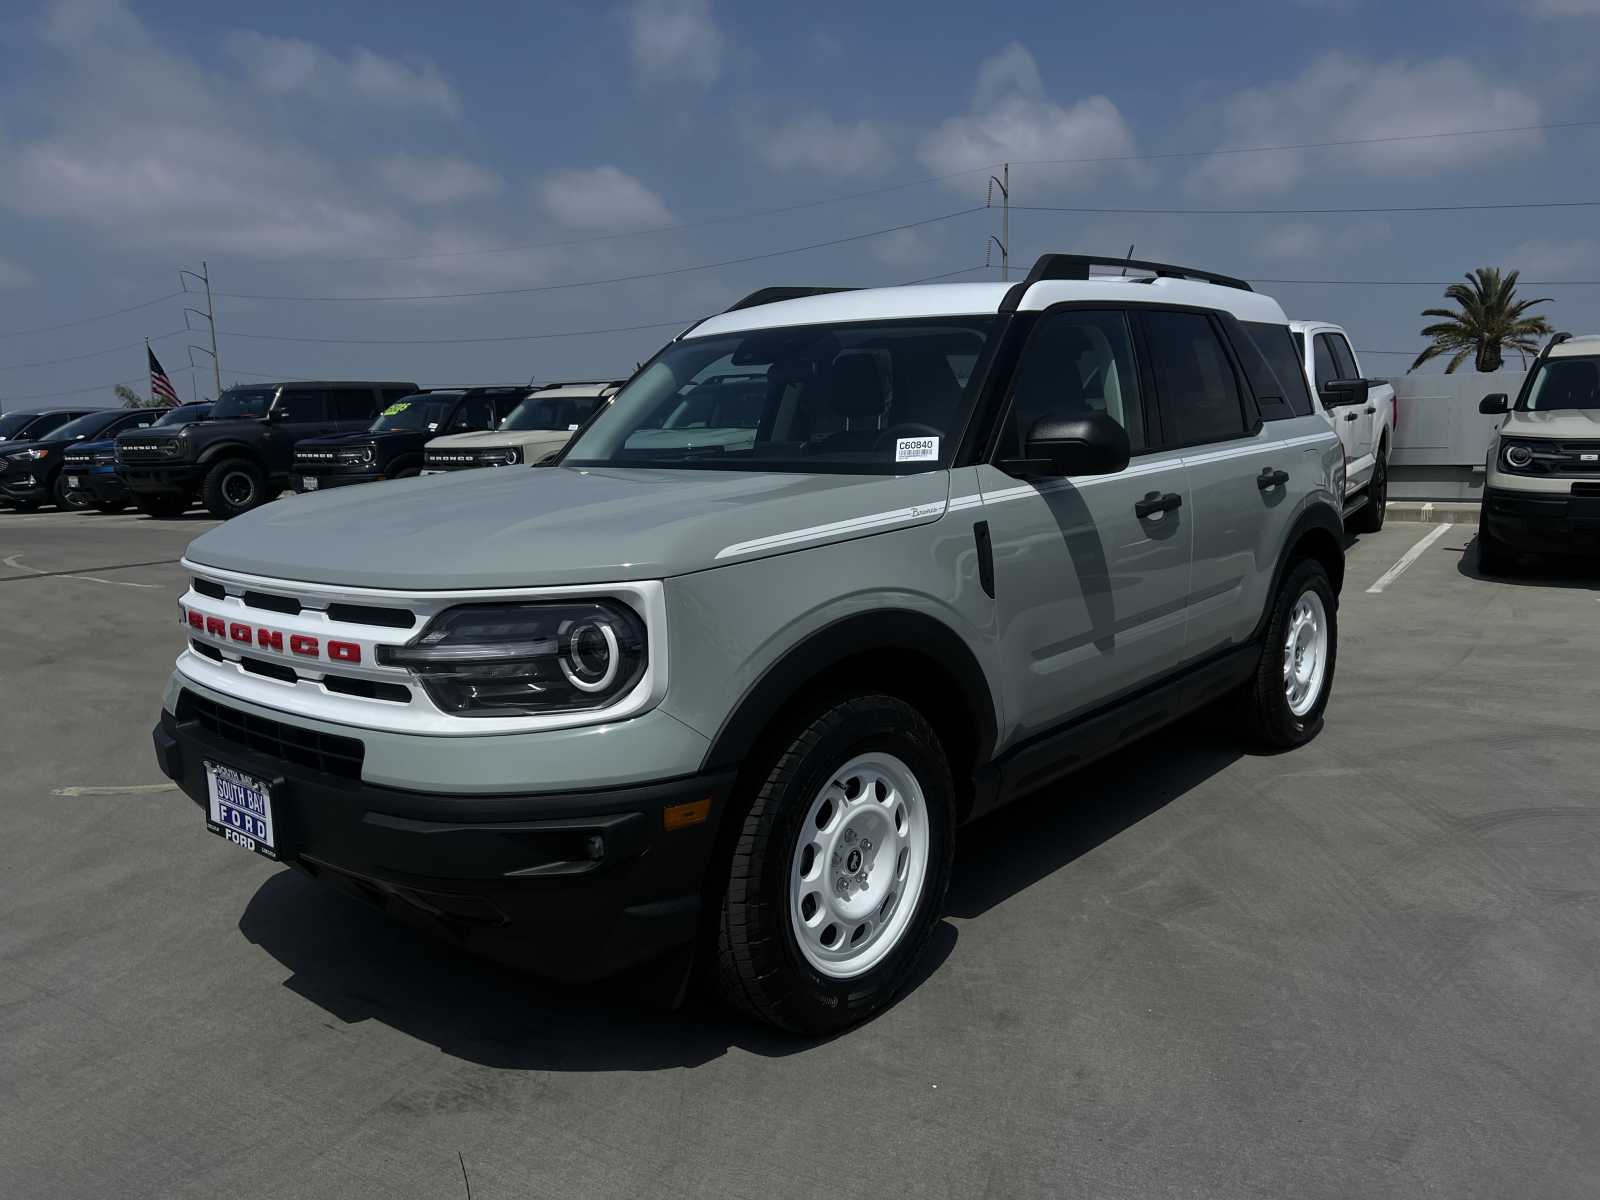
(99, 483)
(1543, 522)
(516, 877)
(158, 478)
(24, 485)
(329, 479)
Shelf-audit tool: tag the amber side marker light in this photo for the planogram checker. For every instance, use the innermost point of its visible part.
(681, 816)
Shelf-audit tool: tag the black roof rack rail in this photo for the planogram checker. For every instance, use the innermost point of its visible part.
(771, 295)
(1076, 266)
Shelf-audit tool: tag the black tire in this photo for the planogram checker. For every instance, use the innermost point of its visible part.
(1268, 713)
(1494, 557)
(68, 500)
(760, 968)
(232, 487)
(1370, 517)
(161, 505)
(111, 507)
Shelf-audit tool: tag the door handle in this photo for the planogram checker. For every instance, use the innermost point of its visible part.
(1270, 478)
(1155, 503)
(1370, 411)
(1351, 416)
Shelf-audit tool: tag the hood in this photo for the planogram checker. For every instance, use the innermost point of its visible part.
(560, 525)
(503, 437)
(95, 446)
(1554, 423)
(359, 438)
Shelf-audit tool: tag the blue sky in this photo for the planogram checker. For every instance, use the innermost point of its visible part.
(394, 149)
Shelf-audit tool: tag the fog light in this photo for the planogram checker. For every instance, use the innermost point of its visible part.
(595, 846)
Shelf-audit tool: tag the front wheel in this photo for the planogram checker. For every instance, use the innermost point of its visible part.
(1370, 518)
(232, 487)
(68, 499)
(1285, 700)
(840, 869)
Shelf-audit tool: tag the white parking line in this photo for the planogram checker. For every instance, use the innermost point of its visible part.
(132, 789)
(11, 561)
(1409, 557)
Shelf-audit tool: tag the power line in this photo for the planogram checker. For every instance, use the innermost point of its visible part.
(519, 337)
(750, 215)
(555, 287)
(90, 320)
(96, 387)
(1301, 212)
(50, 362)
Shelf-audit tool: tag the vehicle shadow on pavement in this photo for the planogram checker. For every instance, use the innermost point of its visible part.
(1536, 571)
(359, 965)
(1013, 849)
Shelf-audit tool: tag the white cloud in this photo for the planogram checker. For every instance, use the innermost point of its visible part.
(1013, 118)
(1339, 98)
(283, 66)
(601, 198)
(816, 142)
(904, 248)
(436, 181)
(1303, 240)
(13, 275)
(675, 41)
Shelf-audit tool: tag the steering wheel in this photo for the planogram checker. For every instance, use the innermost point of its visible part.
(888, 437)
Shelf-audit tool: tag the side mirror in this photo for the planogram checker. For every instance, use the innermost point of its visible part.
(277, 414)
(1494, 404)
(1087, 444)
(1338, 393)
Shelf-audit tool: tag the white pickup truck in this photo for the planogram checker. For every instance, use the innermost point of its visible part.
(1362, 412)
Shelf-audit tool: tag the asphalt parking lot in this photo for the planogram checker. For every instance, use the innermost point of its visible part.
(1367, 968)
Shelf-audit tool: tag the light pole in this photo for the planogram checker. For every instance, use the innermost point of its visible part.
(194, 367)
(204, 276)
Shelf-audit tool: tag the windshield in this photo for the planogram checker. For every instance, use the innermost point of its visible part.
(20, 427)
(416, 412)
(1563, 383)
(89, 423)
(550, 412)
(866, 398)
(241, 402)
(184, 414)
(13, 423)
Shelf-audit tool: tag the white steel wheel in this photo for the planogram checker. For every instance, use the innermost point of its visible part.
(860, 864)
(1305, 653)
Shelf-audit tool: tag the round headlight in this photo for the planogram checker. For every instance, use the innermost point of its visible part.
(1518, 456)
(590, 655)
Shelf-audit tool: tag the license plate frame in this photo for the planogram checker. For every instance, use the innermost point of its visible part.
(74, 483)
(310, 482)
(240, 810)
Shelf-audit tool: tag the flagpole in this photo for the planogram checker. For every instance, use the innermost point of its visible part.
(151, 383)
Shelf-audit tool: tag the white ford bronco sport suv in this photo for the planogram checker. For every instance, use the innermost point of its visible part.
(538, 427)
(1542, 478)
(834, 573)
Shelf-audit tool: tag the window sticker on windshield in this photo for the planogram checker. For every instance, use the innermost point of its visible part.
(922, 449)
(570, 428)
(394, 410)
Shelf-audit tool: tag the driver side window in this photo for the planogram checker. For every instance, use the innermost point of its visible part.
(1076, 361)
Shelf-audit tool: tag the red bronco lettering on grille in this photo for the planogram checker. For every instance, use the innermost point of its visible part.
(302, 644)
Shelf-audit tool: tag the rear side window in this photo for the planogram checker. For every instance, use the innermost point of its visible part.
(1195, 385)
(354, 404)
(1285, 378)
(301, 405)
(1076, 361)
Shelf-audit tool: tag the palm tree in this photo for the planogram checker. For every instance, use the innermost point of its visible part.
(1489, 321)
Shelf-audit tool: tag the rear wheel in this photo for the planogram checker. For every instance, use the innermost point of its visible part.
(232, 487)
(1370, 518)
(161, 505)
(1285, 701)
(840, 869)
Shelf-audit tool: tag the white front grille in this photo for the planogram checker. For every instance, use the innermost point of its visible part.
(251, 606)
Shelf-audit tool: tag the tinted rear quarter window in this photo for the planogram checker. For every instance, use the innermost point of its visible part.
(1276, 351)
(301, 404)
(1196, 389)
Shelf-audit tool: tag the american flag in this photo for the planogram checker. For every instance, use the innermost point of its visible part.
(160, 386)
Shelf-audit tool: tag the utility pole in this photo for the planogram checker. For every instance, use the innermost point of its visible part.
(1004, 240)
(204, 276)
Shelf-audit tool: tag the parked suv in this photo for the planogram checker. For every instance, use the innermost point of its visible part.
(89, 471)
(834, 573)
(25, 424)
(240, 457)
(1363, 414)
(392, 446)
(536, 429)
(1542, 478)
(30, 472)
